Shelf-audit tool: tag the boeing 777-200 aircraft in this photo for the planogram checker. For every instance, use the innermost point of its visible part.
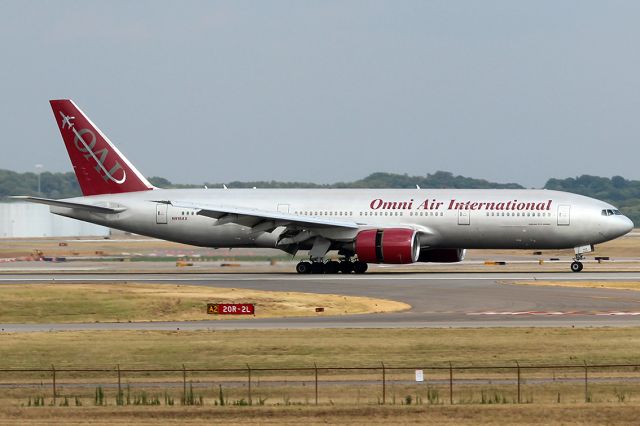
(364, 225)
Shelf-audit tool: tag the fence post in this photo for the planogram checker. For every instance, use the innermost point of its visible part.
(450, 383)
(315, 366)
(384, 384)
(184, 385)
(586, 382)
(119, 387)
(53, 374)
(518, 367)
(249, 379)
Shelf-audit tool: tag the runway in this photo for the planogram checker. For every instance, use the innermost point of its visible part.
(437, 300)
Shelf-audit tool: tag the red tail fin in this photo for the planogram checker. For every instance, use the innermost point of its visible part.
(99, 166)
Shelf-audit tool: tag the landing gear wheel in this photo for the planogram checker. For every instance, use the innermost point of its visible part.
(317, 268)
(346, 267)
(331, 267)
(360, 267)
(303, 268)
(576, 266)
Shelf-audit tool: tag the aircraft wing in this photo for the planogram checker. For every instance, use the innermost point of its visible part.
(70, 204)
(261, 219)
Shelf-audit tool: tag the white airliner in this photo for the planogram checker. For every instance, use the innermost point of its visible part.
(395, 226)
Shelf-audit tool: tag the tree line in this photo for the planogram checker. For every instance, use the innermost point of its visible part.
(621, 192)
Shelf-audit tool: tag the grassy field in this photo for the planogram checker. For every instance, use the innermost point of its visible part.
(326, 347)
(480, 397)
(444, 415)
(43, 303)
(619, 285)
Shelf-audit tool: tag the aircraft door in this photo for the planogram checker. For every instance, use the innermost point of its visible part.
(161, 213)
(564, 215)
(463, 217)
(283, 208)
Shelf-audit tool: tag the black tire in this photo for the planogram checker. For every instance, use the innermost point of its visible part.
(346, 267)
(303, 268)
(360, 267)
(331, 267)
(317, 268)
(576, 266)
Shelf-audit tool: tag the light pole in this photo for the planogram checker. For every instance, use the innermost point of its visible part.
(39, 168)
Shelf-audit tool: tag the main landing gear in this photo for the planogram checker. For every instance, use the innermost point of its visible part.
(331, 267)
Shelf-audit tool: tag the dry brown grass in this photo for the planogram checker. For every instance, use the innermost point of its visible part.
(43, 303)
(580, 414)
(619, 285)
(327, 347)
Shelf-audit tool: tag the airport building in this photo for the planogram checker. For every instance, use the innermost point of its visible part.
(29, 220)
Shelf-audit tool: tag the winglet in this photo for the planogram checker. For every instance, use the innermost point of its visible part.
(99, 166)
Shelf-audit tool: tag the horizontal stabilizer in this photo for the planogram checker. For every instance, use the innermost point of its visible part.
(70, 205)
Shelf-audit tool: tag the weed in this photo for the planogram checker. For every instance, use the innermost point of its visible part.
(495, 398)
(120, 398)
(433, 396)
(144, 399)
(220, 396)
(99, 396)
(621, 395)
(189, 398)
(167, 399)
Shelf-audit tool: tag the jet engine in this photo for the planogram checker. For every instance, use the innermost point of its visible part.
(393, 245)
(442, 255)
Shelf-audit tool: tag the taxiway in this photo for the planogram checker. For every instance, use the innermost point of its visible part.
(436, 299)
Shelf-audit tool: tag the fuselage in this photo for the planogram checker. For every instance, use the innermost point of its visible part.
(446, 218)
(392, 226)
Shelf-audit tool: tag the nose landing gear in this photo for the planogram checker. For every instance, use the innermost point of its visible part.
(576, 266)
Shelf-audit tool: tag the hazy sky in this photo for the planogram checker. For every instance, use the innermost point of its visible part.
(323, 91)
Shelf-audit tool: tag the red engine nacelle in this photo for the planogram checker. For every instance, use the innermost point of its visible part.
(393, 245)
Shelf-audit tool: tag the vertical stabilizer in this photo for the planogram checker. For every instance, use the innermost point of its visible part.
(99, 166)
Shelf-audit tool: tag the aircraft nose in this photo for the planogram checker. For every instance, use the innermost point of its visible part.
(627, 225)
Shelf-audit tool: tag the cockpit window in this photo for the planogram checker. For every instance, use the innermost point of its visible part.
(611, 212)
(617, 212)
